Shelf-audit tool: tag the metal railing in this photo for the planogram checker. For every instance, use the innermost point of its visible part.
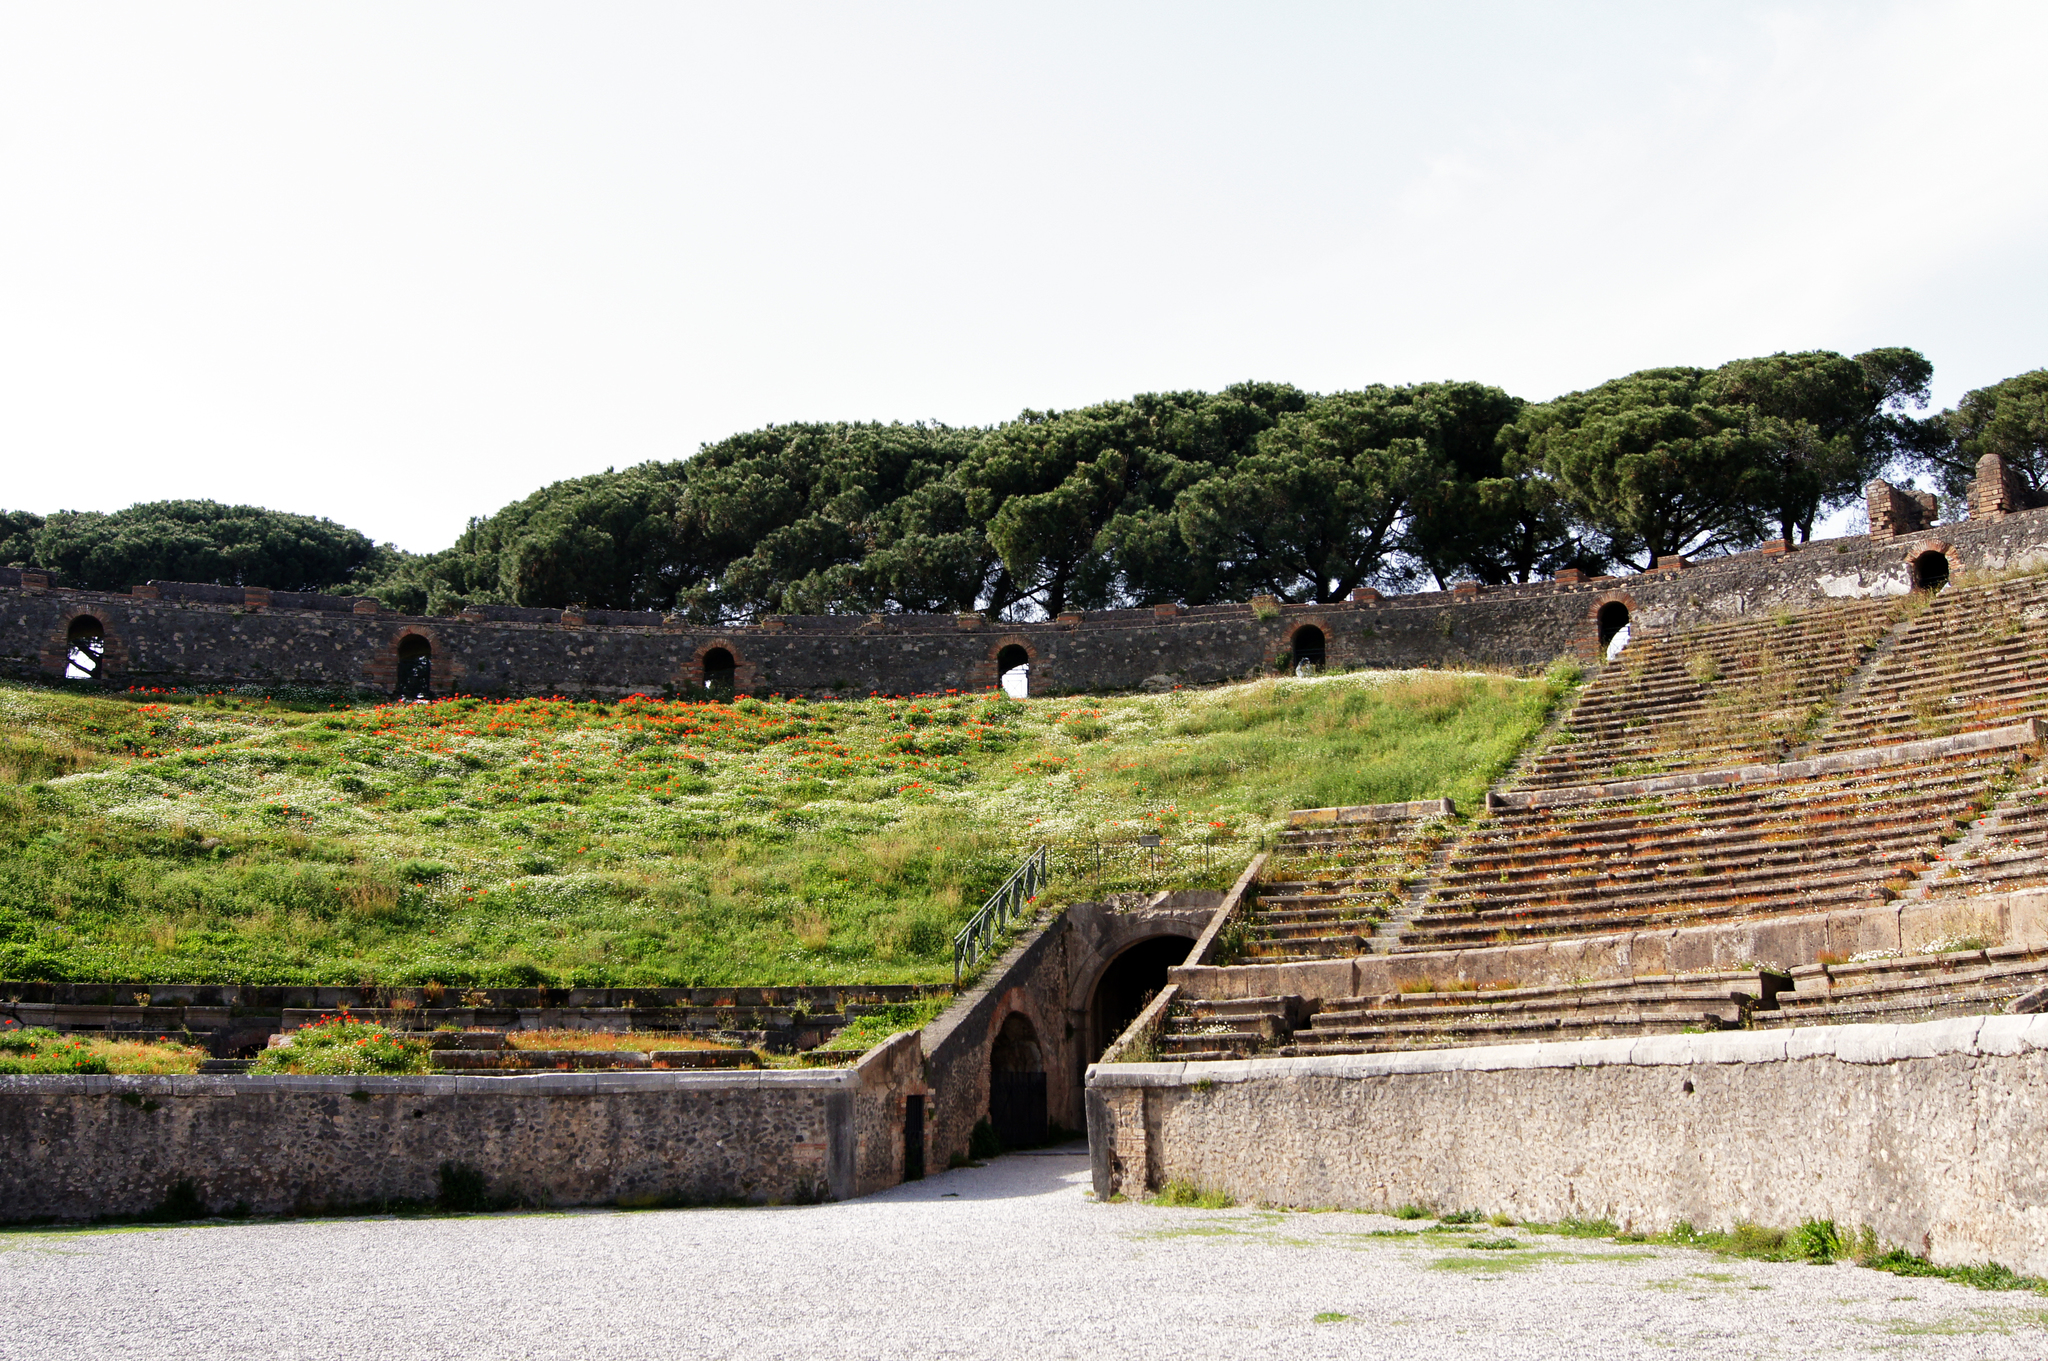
(1006, 903)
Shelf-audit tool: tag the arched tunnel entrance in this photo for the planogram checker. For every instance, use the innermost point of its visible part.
(1613, 621)
(1132, 979)
(1016, 1084)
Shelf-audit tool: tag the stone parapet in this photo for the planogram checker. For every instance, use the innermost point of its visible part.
(207, 636)
(1941, 1155)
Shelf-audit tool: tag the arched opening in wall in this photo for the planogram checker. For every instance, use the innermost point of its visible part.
(1310, 649)
(1016, 1083)
(721, 672)
(1930, 571)
(415, 667)
(1013, 671)
(86, 650)
(1613, 628)
(1132, 979)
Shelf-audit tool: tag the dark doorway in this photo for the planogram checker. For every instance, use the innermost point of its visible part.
(1613, 619)
(913, 1138)
(1132, 979)
(721, 672)
(1016, 1084)
(88, 648)
(1930, 571)
(1309, 646)
(415, 667)
(1013, 671)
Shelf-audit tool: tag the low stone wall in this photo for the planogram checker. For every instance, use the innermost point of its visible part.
(1930, 1134)
(84, 1147)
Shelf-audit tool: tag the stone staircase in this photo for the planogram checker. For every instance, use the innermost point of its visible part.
(1911, 988)
(1722, 694)
(1436, 1020)
(1762, 846)
(1975, 657)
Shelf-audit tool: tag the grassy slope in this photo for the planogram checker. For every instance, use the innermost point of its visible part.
(177, 839)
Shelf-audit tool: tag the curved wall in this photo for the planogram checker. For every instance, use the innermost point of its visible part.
(176, 634)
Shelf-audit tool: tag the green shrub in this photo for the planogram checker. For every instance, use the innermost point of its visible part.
(1819, 1241)
(343, 1046)
(1187, 1195)
(59, 1057)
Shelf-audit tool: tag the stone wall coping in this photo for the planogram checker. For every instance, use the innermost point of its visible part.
(1233, 902)
(465, 1084)
(1969, 1036)
(1862, 758)
(1374, 812)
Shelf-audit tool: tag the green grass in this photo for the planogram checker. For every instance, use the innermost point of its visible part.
(1187, 1195)
(182, 838)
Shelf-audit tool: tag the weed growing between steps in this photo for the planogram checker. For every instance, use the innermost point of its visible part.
(342, 1045)
(40, 1050)
(656, 843)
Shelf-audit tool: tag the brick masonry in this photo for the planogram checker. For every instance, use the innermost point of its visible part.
(172, 634)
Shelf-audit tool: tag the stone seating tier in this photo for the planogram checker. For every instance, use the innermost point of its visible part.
(1650, 708)
(1975, 658)
(1755, 849)
(1433, 1020)
(1231, 1028)
(1329, 909)
(1911, 988)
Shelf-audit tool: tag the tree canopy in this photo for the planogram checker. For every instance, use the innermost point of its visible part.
(2009, 419)
(1188, 496)
(187, 541)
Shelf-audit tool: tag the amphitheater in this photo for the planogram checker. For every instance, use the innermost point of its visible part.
(1757, 930)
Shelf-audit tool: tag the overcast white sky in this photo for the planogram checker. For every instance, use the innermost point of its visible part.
(400, 264)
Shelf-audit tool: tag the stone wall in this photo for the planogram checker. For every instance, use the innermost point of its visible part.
(169, 634)
(1048, 975)
(81, 1147)
(1928, 1133)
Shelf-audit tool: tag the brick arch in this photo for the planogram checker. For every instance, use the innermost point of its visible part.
(1290, 625)
(382, 670)
(986, 676)
(1921, 549)
(745, 671)
(56, 649)
(1588, 645)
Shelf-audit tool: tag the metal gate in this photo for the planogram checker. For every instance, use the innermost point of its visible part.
(1016, 1107)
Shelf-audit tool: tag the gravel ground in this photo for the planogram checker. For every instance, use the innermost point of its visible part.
(1013, 1259)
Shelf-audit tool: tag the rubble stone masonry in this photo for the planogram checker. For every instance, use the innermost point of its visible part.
(178, 634)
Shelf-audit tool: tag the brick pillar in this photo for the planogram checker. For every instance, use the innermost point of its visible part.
(255, 597)
(1997, 491)
(1892, 511)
